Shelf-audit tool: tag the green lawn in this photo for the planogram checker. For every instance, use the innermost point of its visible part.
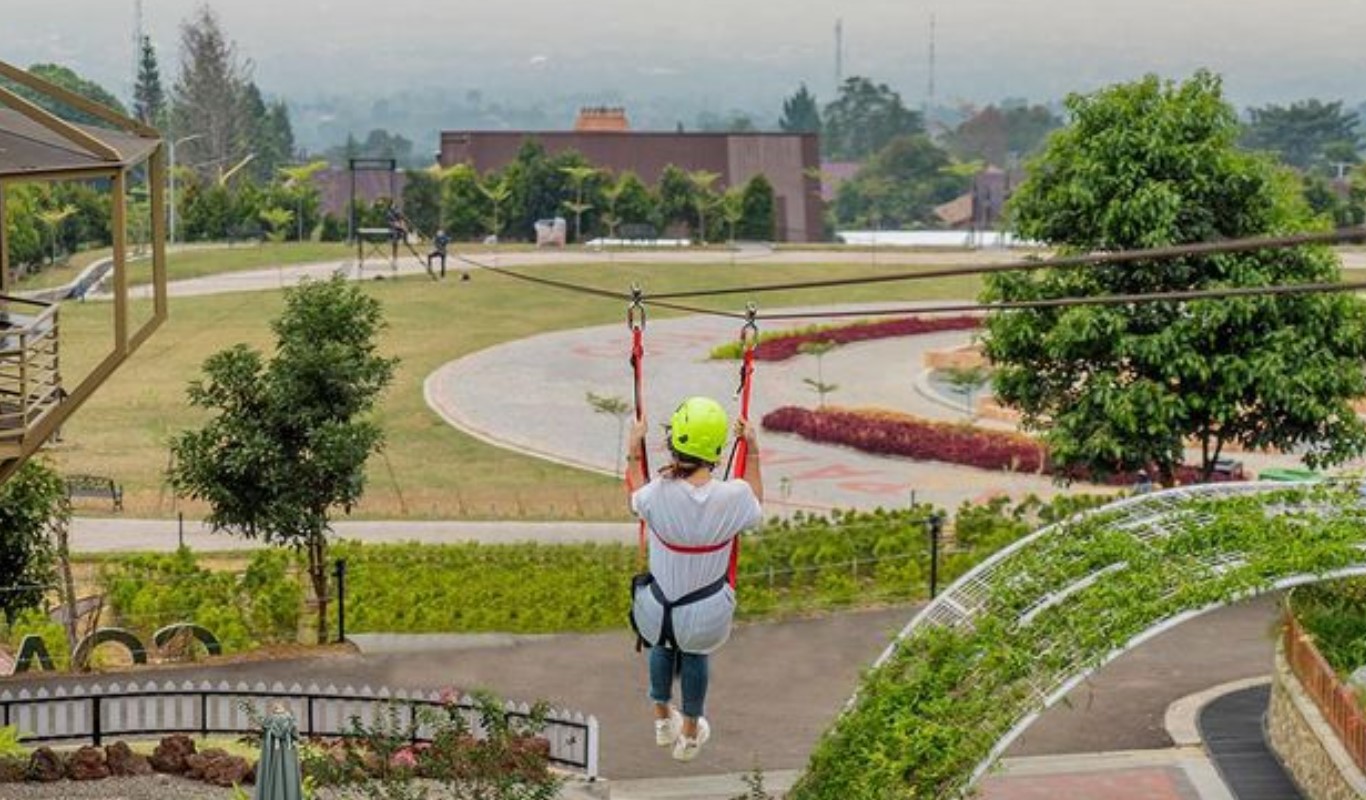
(430, 469)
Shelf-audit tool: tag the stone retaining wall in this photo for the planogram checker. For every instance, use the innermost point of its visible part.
(1305, 743)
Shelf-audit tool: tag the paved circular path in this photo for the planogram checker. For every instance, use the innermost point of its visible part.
(531, 395)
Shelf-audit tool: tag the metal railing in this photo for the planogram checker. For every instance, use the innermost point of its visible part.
(1337, 701)
(96, 712)
(30, 379)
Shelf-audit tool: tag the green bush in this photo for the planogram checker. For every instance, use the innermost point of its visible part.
(37, 623)
(258, 606)
(807, 562)
(1335, 615)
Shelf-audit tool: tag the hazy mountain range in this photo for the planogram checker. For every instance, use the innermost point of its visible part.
(416, 66)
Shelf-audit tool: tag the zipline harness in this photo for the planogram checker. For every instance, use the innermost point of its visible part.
(749, 338)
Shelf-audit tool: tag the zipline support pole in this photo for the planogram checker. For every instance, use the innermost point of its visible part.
(341, 599)
(935, 526)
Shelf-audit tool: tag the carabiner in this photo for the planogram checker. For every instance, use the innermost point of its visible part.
(637, 306)
(749, 334)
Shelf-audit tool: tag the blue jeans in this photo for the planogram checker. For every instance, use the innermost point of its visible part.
(693, 677)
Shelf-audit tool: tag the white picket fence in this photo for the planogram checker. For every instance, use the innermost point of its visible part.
(97, 712)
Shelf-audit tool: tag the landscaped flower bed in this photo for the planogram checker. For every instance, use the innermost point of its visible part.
(890, 433)
(887, 433)
(782, 345)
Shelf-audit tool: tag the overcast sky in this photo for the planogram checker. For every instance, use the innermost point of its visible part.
(987, 49)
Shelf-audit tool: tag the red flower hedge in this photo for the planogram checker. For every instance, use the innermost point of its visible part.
(785, 346)
(890, 433)
(899, 435)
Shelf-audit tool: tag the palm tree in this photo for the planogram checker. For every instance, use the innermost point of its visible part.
(53, 219)
(702, 180)
(578, 176)
(497, 192)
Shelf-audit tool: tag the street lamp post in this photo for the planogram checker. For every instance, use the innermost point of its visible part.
(170, 192)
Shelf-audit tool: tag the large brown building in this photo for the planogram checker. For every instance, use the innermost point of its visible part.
(790, 161)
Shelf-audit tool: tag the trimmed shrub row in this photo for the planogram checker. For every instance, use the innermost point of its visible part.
(893, 434)
(885, 433)
(782, 345)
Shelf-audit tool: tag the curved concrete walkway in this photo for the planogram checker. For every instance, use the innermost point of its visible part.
(531, 395)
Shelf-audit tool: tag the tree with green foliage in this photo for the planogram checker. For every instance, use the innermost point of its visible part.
(999, 135)
(677, 198)
(288, 438)
(900, 186)
(23, 235)
(149, 98)
(52, 219)
(267, 133)
(758, 210)
(635, 203)
(1305, 135)
(67, 79)
(818, 385)
(32, 503)
(294, 188)
(863, 119)
(579, 175)
(801, 114)
(1125, 387)
(422, 200)
(967, 381)
(464, 206)
(497, 193)
(704, 198)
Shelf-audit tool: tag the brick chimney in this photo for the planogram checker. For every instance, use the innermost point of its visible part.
(596, 119)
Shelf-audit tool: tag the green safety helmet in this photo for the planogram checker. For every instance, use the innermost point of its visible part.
(698, 429)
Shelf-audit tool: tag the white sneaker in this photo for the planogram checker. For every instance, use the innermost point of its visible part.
(666, 730)
(686, 748)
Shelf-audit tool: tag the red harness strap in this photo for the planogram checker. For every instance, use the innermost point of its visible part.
(696, 549)
(637, 327)
(749, 338)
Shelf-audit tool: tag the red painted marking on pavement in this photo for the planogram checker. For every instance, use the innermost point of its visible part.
(875, 487)
(773, 458)
(832, 472)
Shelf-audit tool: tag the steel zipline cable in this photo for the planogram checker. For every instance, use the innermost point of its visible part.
(665, 300)
(1338, 236)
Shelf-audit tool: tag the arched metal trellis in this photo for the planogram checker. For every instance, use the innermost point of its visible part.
(1017, 633)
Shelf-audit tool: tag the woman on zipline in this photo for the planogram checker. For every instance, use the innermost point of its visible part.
(682, 608)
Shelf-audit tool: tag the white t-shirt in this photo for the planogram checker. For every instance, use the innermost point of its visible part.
(691, 516)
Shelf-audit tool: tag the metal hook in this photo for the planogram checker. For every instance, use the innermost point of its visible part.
(749, 334)
(637, 306)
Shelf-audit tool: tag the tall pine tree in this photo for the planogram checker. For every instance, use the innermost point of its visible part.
(800, 113)
(149, 99)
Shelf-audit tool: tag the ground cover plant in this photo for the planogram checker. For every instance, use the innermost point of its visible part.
(806, 563)
(259, 605)
(785, 344)
(925, 719)
(1335, 615)
(428, 469)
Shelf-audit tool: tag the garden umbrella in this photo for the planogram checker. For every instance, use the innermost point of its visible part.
(277, 773)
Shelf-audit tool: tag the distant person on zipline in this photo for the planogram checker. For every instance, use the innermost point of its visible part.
(682, 608)
(439, 245)
(398, 229)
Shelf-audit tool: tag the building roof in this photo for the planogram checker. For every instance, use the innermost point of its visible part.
(957, 211)
(27, 147)
(37, 143)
